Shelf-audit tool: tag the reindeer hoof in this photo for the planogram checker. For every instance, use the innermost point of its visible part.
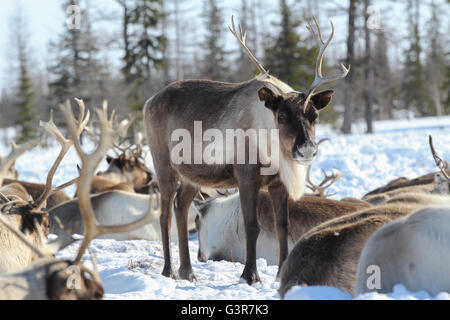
(187, 274)
(168, 272)
(250, 277)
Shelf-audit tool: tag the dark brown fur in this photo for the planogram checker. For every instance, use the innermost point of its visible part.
(306, 213)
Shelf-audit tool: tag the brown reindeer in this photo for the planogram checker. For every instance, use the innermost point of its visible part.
(259, 104)
(328, 254)
(223, 216)
(49, 277)
(126, 172)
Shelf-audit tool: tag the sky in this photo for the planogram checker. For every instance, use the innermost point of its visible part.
(46, 19)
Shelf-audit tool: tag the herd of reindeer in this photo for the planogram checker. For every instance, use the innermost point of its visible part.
(402, 228)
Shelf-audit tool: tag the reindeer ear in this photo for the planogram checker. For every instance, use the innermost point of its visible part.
(322, 99)
(271, 100)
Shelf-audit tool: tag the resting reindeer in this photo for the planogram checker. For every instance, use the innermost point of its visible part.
(264, 104)
(328, 254)
(47, 278)
(413, 251)
(223, 216)
(22, 214)
(34, 190)
(429, 183)
(113, 207)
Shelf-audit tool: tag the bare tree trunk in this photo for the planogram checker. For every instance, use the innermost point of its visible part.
(348, 99)
(178, 39)
(368, 73)
(166, 59)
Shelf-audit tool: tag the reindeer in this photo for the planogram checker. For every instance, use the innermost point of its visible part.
(48, 277)
(113, 207)
(20, 213)
(328, 254)
(223, 216)
(430, 183)
(265, 104)
(126, 172)
(34, 190)
(412, 251)
(423, 239)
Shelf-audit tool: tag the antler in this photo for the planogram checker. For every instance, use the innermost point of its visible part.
(66, 144)
(16, 152)
(327, 181)
(441, 164)
(241, 38)
(109, 131)
(319, 80)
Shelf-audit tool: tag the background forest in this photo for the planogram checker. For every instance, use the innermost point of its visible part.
(127, 50)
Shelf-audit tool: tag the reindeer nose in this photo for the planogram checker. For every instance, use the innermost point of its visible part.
(306, 153)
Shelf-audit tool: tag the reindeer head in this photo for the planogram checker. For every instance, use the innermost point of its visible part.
(296, 113)
(131, 169)
(296, 123)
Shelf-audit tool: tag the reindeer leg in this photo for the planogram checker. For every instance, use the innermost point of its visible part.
(248, 193)
(279, 198)
(168, 184)
(184, 197)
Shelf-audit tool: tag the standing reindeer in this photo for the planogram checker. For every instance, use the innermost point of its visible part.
(47, 278)
(263, 103)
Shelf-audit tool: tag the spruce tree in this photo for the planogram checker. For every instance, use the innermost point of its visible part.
(287, 57)
(214, 62)
(25, 113)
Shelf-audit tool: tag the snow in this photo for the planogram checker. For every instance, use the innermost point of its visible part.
(131, 269)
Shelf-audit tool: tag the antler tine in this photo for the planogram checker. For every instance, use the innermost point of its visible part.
(241, 40)
(327, 182)
(319, 80)
(109, 131)
(442, 165)
(16, 152)
(82, 124)
(66, 144)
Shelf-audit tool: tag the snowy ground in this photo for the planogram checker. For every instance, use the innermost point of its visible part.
(131, 269)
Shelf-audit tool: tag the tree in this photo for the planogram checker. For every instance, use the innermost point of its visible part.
(214, 63)
(415, 95)
(383, 83)
(435, 61)
(368, 71)
(350, 60)
(143, 48)
(75, 69)
(25, 109)
(287, 57)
